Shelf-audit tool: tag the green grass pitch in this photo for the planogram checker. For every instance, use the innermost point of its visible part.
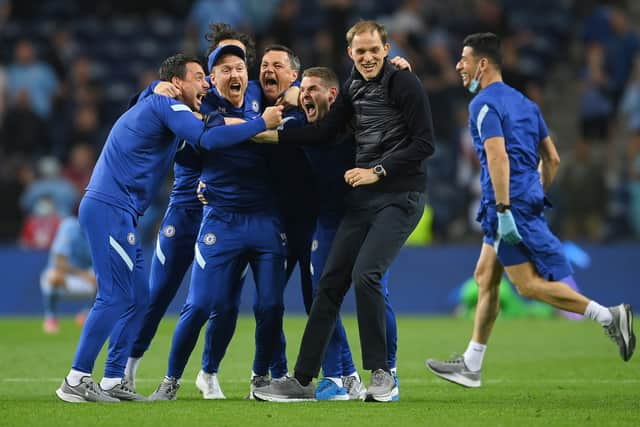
(536, 373)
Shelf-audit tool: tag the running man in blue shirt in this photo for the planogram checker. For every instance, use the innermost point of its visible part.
(240, 227)
(69, 273)
(138, 152)
(519, 162)
(174, 249)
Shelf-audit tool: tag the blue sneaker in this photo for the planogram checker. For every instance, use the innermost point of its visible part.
(395, 378)
(328, 390)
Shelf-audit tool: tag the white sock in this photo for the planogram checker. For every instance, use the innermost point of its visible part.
(74, 377)
(109, 383)
(474, 355)
(132, 367)
(337, 381)
(598, 313)
(355, 374)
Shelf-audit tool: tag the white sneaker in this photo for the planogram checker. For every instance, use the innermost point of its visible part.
(456, 371)
(621, 330)
(209, 386)
(355, 388)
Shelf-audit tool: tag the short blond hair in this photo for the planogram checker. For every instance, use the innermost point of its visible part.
(367, 26)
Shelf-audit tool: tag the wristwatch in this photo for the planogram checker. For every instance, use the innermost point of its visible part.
(379, 170)
(501, 207)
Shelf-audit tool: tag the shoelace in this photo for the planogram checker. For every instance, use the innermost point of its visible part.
(168, 386)
(209, 381)
(124, 386)
(456, 359)
(378, 378)
(92, 386)
(348, 382)
(612, 331)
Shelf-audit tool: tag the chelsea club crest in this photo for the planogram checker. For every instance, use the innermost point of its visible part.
(209, 239)
(131, 238)
(255, 106)
(169, 231)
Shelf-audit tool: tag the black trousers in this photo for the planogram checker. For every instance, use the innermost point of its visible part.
(373, 230)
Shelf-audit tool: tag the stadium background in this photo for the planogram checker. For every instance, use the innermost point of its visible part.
(68, 69)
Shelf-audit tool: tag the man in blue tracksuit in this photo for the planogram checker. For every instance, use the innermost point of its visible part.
(134, 160)
(240, 227)
(174, 248)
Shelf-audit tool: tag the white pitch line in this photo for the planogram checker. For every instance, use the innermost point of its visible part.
(403, 380)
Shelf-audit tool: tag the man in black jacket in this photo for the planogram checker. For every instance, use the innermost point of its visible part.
(393, 130)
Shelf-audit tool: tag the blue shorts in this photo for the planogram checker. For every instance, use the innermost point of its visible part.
(539, 245)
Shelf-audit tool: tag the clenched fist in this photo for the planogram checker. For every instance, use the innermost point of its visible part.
(273, 116)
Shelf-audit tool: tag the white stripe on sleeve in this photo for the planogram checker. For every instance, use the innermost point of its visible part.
(180, 107)
(481, 115)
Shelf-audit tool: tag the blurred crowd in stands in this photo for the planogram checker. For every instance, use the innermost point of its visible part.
(69, 67)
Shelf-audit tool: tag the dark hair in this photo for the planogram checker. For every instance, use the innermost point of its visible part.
(487, 45)
(328, 77)
(294, 61)
(367, 27)
(176, 66)
(219, 31)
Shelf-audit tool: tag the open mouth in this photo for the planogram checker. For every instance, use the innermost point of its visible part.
(199, 97)
(309, 108)
(270, 82)
(235, 88)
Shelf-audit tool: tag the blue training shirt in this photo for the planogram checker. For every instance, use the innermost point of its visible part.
(188, 165)
(501, 111)
(237, 178)
(186, 168)
(186, 173)
(142, 144)
(71, 243)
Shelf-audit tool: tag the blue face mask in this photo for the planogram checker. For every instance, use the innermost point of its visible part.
(474, 84)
